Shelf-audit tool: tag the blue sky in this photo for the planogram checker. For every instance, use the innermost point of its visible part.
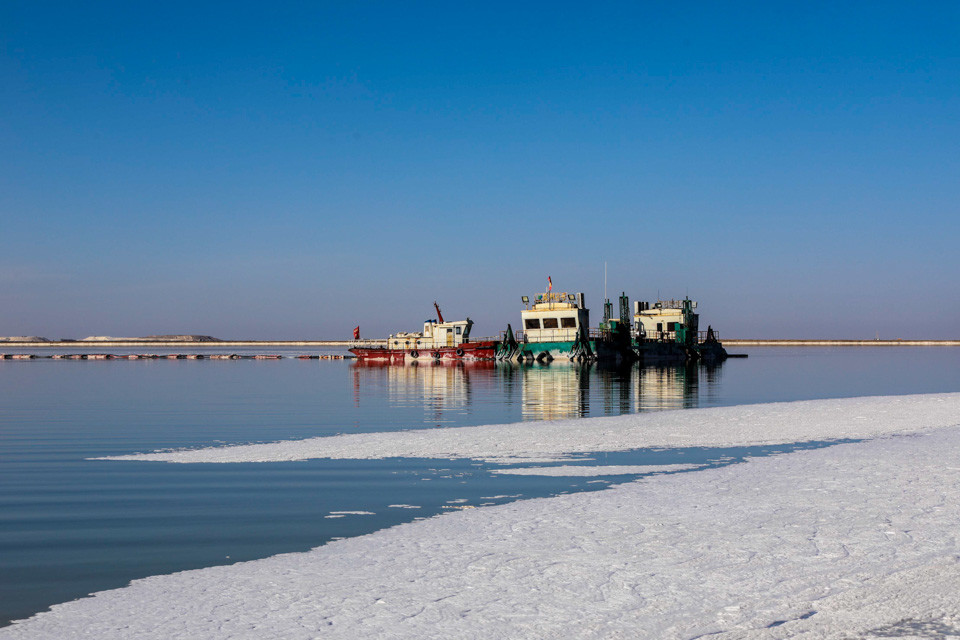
(293, 170)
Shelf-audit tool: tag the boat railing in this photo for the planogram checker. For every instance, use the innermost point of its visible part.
(597, 334)
(604, 335)
(671, 336)
(547, 335)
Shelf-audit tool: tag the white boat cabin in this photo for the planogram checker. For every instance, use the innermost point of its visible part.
(663, 318)
(554, 317)
(434, 336)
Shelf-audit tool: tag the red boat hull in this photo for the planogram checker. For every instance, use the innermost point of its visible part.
(466, 351)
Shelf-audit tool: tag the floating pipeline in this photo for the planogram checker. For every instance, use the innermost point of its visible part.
(169, 356)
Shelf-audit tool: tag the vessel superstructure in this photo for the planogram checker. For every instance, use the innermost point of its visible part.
(439, 340)
(669, 331)
(555, 327)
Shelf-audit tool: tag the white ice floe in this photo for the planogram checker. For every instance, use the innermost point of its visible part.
(352, 513)
(404, 506)
(585, 471)
(852, 541)
(529, 442)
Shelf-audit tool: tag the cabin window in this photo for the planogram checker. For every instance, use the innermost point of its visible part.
(568, 323)
(672, 326)
(659, 326)
(531, 323)
(550, 323)
(459, 330)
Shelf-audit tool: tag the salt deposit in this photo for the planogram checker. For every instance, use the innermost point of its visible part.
(765, 424)
(585, 471)
(850, 541)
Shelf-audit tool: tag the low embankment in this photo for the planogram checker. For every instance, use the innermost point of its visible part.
(789, 342)
(178, 344)
(733, 342)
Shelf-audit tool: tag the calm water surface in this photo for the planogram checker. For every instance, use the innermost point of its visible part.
(70, 526)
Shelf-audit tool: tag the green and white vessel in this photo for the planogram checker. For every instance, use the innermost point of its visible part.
(556, 326)
(669, 331)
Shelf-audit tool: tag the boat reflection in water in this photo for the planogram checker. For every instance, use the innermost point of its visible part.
(535, 391)
(554, 393)
(438, 386)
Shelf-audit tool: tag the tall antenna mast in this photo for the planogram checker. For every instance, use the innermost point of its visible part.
(604, 280)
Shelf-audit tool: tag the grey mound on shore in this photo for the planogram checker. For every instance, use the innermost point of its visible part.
(182, 338)
(164, 338)
(167, 338)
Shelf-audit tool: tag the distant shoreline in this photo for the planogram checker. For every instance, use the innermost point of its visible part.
(217, 344)
(206, 344)
(791, 342)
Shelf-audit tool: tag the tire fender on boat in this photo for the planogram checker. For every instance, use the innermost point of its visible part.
(460, 352)
(414, 354)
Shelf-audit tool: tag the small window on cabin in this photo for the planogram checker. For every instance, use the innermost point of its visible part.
(568, 323)
(459, 330)
(671, 326)
(531, 323)
(550, 323)
(659, 326)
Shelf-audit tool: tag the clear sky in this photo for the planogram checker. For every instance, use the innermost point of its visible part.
(291, 170)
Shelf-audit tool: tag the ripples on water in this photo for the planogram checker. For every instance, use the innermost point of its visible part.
(70, 526)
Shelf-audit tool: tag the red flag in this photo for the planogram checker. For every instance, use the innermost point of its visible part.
(549, 284)
(356, 333)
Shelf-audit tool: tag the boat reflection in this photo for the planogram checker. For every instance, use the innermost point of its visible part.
(668, 387)
(539, 391)
(554, 393)
(437, 384)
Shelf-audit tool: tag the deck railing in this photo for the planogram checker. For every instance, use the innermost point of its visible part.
(546, 335)
(596, 334)
(604, 335)
(670, 336)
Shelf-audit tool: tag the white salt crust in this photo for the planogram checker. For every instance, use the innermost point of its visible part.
(746, 425)
(851, 541)
(585, 471)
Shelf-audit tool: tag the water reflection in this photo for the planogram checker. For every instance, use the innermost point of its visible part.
(660, 388)
(553, 393)
(540, 392)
